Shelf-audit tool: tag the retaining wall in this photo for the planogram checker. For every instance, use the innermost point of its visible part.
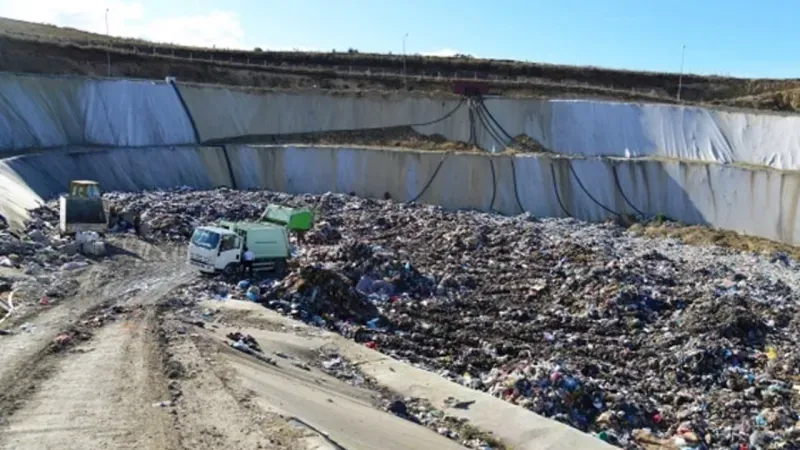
(133, 135)
(600, 128)
(756, 202)
(39, 111)
(227, 113)
(48, 111)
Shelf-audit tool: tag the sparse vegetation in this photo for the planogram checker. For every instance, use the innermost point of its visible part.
(703, 235)
(43, 48)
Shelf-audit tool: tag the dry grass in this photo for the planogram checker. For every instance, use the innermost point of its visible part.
(397, 137)
(702, 235)
(782, 100)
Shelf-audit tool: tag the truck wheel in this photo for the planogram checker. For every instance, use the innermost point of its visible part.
(230, 269)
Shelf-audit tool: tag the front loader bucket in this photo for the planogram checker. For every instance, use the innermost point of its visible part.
(83, 214)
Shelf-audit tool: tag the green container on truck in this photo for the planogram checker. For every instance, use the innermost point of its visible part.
(294, 219)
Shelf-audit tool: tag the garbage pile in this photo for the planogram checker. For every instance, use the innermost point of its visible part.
(316, 293)
(40, 248)
(636, 340)
(173, 215)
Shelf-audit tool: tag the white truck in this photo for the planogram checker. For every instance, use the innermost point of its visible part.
(219, 248)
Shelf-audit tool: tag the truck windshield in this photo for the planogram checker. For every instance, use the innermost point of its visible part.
(205, 238)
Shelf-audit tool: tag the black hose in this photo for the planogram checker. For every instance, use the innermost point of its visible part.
(572, 170)
(463, 99)
(625, 197)
(494, 183)
(486, 111)
(514, 178)
(186, 109)
(244, 138)
(494, 134)
(428, 184)
(555, 189)
(471, 115)
(477, 113)
(230, 167)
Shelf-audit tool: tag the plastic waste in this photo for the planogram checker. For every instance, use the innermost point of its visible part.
(772, 353)
(253, 293)
(74, 265)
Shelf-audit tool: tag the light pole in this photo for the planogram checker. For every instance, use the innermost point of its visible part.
(108, 50)
(405, 81)
(680, 76)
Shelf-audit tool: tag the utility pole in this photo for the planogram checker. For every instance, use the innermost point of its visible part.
(405, 80)
(680, 76)
(108, 49)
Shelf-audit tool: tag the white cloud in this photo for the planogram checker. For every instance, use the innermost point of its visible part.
(220, 28)
(129, 19)
(445, 52)
(295, 48)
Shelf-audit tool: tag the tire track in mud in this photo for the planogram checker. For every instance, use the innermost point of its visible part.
(214, 411)
(98, 393)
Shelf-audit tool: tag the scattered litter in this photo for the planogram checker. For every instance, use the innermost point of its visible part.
(248, 344)
(74, 265)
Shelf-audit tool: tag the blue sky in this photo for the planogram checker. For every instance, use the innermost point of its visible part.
(732, 37)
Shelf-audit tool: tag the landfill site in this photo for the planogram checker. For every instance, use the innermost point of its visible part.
(187, 266)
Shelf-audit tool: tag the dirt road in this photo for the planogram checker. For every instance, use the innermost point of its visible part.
(99, 392)
(109, 368)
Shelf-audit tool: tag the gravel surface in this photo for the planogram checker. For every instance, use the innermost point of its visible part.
(640, 341)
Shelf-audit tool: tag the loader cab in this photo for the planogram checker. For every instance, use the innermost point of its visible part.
(84, 189)
(82, 208)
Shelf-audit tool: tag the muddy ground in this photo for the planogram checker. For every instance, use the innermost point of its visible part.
(117, 365)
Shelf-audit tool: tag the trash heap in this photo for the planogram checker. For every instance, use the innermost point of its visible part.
(173, 215)
(40, 248)
(640, 341)
(321, 295)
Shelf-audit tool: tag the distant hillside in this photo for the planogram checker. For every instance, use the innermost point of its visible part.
(38, 48)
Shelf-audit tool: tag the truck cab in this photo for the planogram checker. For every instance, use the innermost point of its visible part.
(215, 249)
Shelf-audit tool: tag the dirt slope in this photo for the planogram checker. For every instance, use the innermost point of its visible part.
(31, 47)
